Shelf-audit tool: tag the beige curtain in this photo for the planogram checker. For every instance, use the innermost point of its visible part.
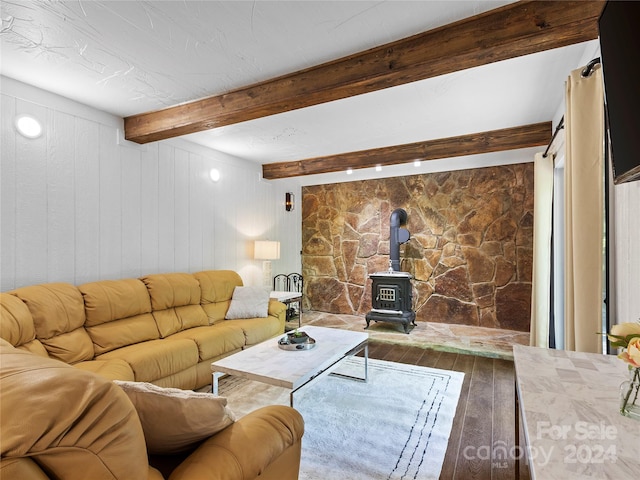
(542, 224)
(584, 207)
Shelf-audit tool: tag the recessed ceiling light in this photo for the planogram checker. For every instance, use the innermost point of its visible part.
(417, 163)
(349, 171)
(28, 126)
(378, 168)
(214, 174)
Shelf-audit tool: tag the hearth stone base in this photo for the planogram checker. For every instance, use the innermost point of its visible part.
(405, 318)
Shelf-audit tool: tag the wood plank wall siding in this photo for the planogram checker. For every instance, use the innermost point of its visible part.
(76, 206)
(514, 30)
(475, 143)
(485, 440)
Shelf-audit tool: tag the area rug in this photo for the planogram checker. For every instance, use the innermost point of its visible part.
(395, 426)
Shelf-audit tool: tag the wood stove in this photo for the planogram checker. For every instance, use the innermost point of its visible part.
(391, 294)
(391, 299)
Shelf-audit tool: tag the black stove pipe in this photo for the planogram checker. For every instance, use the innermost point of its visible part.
(397, 236)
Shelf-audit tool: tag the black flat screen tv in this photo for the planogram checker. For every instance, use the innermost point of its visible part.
(619, 26)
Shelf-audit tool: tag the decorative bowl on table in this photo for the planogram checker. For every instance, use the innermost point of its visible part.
(296, 341)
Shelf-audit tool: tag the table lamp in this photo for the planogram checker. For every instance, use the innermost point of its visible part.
(266, 250)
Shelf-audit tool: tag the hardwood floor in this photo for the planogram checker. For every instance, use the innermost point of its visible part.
(483, 443)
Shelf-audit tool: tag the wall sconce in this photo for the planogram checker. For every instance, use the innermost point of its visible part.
(289, 199)
(266, 250)
(28, 126)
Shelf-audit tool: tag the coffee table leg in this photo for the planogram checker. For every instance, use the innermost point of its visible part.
(366, 362)
(358, 349)
(363, 346)
(214, 382)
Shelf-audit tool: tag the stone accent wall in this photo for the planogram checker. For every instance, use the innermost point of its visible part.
(470, 250)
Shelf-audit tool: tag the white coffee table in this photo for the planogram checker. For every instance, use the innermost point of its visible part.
(293, 369)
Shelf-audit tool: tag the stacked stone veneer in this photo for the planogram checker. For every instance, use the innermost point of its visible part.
(470, 250)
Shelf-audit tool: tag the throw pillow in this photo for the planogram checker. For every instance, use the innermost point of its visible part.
(173, 419)
(248, 302)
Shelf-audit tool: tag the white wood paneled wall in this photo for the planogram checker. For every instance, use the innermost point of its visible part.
(78, 205)
(626, 275)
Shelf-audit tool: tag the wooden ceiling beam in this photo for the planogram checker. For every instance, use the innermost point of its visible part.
(526, 136)
(514, 30)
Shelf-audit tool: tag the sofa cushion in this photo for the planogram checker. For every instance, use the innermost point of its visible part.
(58, 317)
(216, 311)
(176, 319)
(186, 379)
(175, 300)
(156, 359)
(167, 290)
(16, 325)
(216, 291)
(120, 333)
(114, 369)
(118, 313)
(174, 420)
(214, 341)
(248, 302)
(257, 330)
(109, 300)
(74, 424)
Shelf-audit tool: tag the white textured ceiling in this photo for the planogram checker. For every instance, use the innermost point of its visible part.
(127, 57)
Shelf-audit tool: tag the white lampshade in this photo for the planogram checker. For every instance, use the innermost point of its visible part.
(266, 250)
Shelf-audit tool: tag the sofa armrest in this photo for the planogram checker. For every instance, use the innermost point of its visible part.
(72, 423)
(247, 448)
(276, 308)
(21, 467)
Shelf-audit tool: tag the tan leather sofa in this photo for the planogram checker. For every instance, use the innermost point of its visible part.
(164, 329)
(61, 422)
(61, 345)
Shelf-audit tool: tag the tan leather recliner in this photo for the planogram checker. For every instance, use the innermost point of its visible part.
(60, 422)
